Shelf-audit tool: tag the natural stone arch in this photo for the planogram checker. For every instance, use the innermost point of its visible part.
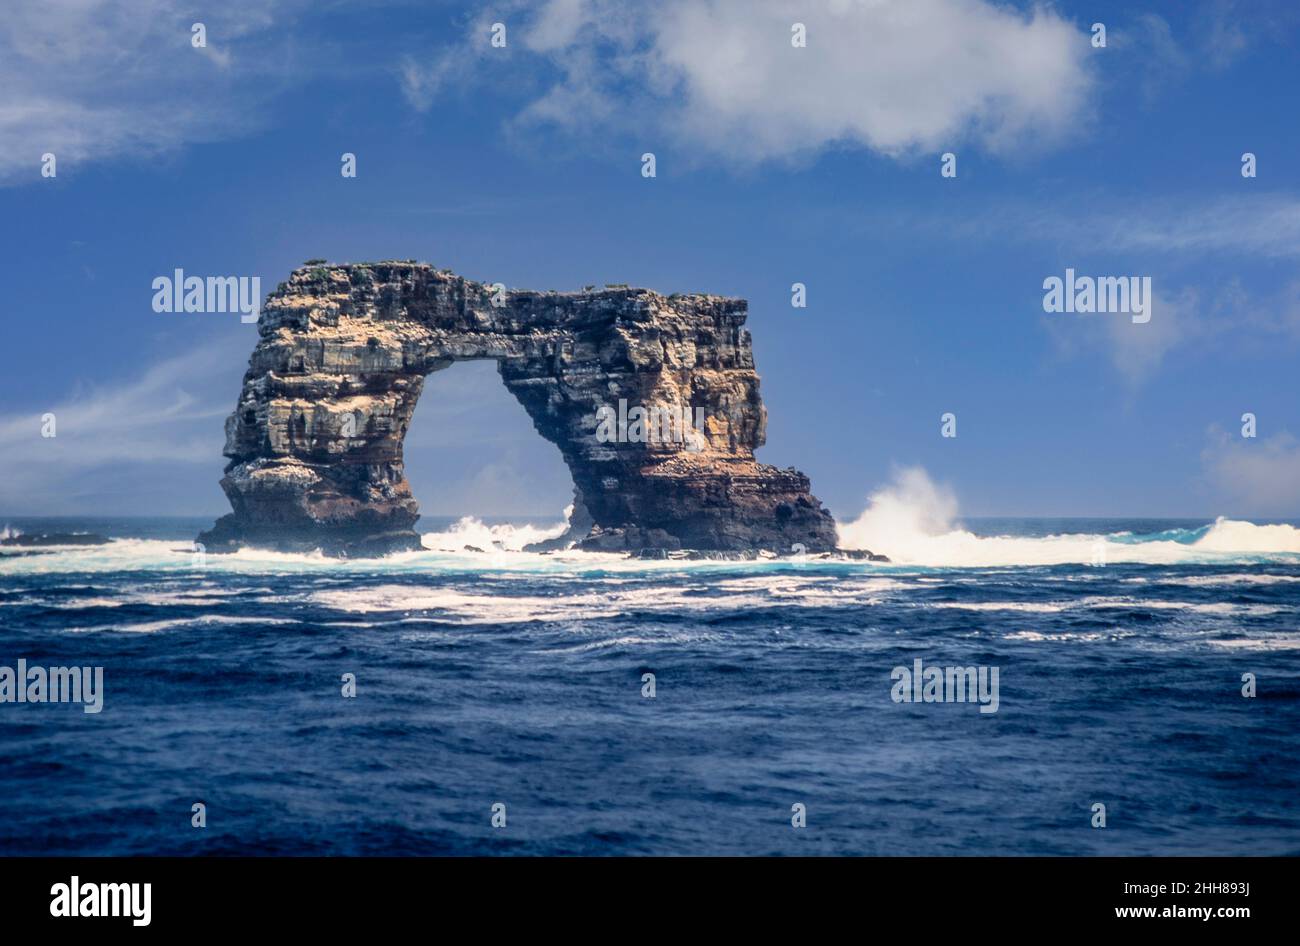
(315, 443)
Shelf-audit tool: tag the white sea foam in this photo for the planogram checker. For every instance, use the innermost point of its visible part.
(1037, 637)
(503, 537)
(175, 558)
(633, 640)
(1258, 643)
(811, 589)
(1103, 603)
(72, 604)
(1229, 535)
(1026, 607)
(460, 607)
(1214, 581)
(141, 594)
(914, 522)
(153, 627)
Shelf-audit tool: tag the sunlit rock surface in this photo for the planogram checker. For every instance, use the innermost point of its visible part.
(315, 443)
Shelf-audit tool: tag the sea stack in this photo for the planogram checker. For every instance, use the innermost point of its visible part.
(315, 442)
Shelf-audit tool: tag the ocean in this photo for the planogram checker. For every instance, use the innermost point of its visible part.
(512, 687)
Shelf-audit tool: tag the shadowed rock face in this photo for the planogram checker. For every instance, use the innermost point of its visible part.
(315, 443)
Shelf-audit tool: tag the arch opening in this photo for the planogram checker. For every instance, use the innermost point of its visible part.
(477, 466)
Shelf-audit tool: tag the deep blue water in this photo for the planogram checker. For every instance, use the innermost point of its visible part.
(517, 678)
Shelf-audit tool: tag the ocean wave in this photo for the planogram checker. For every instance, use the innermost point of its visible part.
(632, 641)
(914, 522)
(153, 627)
(1039, 637)
(461, 607)
(1257, 643)
(503, 537)
(1098, 603)
(1214, 581)
(1028, 607)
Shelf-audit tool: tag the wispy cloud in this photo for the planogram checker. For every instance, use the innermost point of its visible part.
(90, 80)
(1153, 54)
(1185, 319)
(1170, 240)
(170, 415)
(1138, 349)
(1255, 224)
(1213, 34)
(471, 447)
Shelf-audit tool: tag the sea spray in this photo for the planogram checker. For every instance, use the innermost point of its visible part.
(914, 521)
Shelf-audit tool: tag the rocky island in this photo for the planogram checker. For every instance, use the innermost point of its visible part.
(315, 442)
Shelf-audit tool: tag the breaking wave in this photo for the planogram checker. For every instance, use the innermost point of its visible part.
(470, 531)
(914, 521)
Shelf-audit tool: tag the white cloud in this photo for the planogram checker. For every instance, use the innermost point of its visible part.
(892, 77)
(1259, 476)
(1137, 349)
(722, 75)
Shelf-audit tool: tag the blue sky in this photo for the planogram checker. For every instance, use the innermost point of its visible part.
(775, 165)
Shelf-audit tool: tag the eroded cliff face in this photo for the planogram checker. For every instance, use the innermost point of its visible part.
(315, 443)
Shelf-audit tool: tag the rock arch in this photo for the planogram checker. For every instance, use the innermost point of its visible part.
(315, 442)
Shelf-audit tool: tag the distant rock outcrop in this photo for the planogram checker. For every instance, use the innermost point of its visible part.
(315, 443)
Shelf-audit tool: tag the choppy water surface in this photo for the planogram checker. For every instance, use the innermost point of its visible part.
(517, 678)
